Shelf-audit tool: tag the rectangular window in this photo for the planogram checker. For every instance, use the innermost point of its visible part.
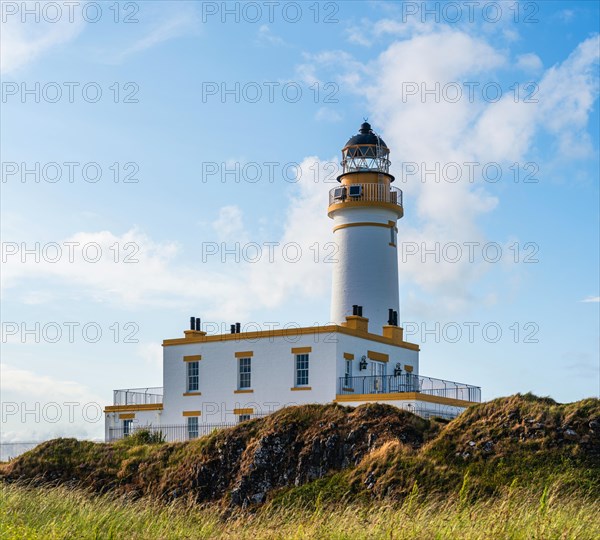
(348, 374)
(243, 417)
(193, 379)
(378, 377)
(301, 369)
(127, 427)
(245, 373)
(192, 427)
(393, 235)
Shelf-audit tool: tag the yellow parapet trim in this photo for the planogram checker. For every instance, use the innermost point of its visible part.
(194, 333)
(191, 413)
(408, 368)
(127, 416)
(128, 408)
(348, 356)
(243, 411)
(192, 358)
(380, 357)
(298, 388)
(244, 354)
(361, 224)
(288, 332)
(301, 350)
(402, 396)
(395, 333)
(357, 323)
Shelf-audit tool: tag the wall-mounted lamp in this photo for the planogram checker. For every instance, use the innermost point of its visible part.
(398, 370)
(363, 363)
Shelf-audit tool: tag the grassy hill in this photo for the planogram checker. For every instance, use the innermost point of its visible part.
(520, 455)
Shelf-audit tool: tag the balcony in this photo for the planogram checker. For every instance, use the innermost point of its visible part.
(138, 396)
(407, 382)
(356, 193)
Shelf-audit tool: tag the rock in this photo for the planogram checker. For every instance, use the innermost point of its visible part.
(370, 481)
(570, 435)
(372, 439)
(471, 443)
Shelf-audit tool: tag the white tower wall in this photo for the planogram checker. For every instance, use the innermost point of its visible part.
(366, 271)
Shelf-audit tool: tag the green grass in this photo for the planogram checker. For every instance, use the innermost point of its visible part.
(518, 513)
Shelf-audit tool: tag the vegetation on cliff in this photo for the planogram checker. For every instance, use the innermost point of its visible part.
(308, 467)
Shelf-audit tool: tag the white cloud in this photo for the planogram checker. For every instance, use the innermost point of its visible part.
(358, 36)
(591, 299)
(426, 132)
(229, 226)
(37, 407)
(225, 288)
(567, 94)
(301, 264)
(327, 114)
(23, 42)
(180, 23)
(566, 15)
(131, 270)
(266, 36)
(529, 62)
(152, 355)
(368, 32)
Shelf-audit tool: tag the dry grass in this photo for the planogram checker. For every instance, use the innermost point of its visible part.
(54, 513)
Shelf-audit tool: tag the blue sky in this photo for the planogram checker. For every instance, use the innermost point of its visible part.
(348, 60)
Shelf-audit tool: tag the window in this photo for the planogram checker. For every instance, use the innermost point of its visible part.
(192, 376)
(378, 377)
(127, 427)
(192, 427)
(243, 417)
(245, 373)
(393, 235)
(301, 369)
(348, 374)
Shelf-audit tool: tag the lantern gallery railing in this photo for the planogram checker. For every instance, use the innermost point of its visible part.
(365, 192)
(138, 396)
(407, 382)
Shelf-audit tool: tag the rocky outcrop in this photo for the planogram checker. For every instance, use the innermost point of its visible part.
(380, 450)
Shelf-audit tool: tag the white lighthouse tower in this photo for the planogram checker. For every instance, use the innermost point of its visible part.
(365, 209)
(216, 379)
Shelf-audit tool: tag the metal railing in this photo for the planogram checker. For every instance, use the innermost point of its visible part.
(365, 192)
(138, 396)
(173, 432)
(407, 382)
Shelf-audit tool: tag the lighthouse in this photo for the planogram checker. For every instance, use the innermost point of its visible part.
(365, 209)
(214, 380)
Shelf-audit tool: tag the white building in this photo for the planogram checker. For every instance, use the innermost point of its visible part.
(361, 357)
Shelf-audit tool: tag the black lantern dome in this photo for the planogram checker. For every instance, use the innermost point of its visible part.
(365, 152)
(365, 136)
